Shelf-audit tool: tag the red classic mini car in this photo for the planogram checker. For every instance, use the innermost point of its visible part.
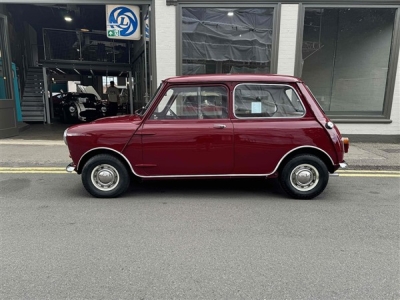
(213, 126)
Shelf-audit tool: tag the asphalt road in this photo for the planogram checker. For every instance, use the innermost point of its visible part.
(228, 239)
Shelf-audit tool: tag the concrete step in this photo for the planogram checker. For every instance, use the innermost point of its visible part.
(33, 90)
(33, 99)
(32, 94)
(33, 113)
(31, 108)
(32, 103)
(33, 119)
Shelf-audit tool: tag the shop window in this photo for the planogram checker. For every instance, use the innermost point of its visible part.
(345, 58)
(226, 40)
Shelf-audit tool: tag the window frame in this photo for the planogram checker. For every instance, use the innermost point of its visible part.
(392, 63)
(197, 87)
(267, 118)
(253, 4)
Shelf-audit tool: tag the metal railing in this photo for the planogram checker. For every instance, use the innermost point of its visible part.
(84, 46)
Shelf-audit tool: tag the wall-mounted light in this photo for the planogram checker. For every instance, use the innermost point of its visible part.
(68, 17)
(230, 14)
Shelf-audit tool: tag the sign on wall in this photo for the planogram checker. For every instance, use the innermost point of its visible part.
(123, 22)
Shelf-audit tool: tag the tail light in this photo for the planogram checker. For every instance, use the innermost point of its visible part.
(346, 144)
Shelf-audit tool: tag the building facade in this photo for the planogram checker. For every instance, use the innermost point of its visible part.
(346, 51)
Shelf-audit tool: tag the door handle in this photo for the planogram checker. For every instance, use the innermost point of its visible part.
(219, 126)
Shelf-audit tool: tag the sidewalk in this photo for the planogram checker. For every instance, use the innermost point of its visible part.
(42, 145)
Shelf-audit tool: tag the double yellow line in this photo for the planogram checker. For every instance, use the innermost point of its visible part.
(32, 170)
(58, 170)
(368, 173)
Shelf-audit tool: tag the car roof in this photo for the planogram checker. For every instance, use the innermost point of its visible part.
(210, 78)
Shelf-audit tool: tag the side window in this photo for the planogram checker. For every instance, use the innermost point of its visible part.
(195, 102)
(264, 100)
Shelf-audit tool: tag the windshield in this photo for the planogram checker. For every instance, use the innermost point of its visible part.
(142, 111)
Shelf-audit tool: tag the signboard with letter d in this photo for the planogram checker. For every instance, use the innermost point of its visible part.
(123, 22)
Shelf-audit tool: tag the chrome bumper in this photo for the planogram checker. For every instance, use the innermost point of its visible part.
(342, 165)
(70, 168)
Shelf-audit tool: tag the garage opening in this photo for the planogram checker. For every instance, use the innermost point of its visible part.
(65, 51)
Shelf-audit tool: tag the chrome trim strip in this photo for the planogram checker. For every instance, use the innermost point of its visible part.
(105, 148)
(198, 176)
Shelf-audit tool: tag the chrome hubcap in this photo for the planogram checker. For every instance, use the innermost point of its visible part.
(105, 177)
(304, 177)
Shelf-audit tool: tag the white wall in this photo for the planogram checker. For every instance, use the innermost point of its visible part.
(165, 19)
(287, 39)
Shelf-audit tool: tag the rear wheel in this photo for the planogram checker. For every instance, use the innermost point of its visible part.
(105, 176)
(304, 177)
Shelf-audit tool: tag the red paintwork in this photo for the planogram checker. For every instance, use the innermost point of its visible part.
(157, 148)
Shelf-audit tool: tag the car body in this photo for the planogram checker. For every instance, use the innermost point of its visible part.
(213, 126)
(80, 107)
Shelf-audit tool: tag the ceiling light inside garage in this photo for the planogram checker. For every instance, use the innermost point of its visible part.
(230, 13)
(68, 18)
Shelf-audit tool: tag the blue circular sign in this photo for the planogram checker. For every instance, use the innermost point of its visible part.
(123, 19)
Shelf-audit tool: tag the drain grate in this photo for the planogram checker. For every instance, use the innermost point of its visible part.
(391, 150)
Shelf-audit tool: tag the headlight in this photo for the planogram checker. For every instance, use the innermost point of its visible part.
(104, 109)
(65, 136)
(71, 109)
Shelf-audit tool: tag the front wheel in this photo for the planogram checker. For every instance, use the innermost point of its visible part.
(304, 177)
(105, 176)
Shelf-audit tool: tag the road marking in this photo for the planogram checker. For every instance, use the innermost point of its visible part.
(367, 171)
(32, 169)
(34, 172)
(32, 142)
(370, 175)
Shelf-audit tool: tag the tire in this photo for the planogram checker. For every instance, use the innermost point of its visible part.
(311, 180)
(105, 176)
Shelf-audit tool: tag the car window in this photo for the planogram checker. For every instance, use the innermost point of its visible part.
(194, 102)
(264, 100)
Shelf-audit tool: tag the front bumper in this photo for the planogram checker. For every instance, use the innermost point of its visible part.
(342, 165)
(70, 168)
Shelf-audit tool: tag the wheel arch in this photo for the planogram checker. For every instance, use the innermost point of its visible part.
(93, 152)
(321, 154)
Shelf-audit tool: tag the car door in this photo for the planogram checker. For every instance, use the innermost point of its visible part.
(189, 133)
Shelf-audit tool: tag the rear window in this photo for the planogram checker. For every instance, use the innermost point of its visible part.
(267, 101)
